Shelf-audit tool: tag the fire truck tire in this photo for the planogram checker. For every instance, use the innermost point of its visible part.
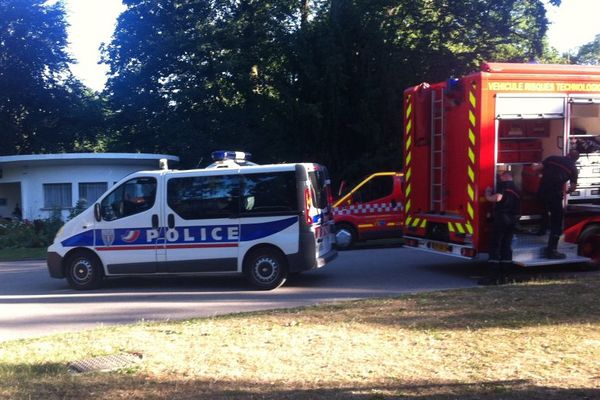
(266, 268)
(589, 243)
(349, 232)
(83, 270)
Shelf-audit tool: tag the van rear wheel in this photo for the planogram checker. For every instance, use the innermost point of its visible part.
(83, 271)
(266, 269)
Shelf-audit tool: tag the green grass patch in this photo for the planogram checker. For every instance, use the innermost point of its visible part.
(17, 254)
(537, 340)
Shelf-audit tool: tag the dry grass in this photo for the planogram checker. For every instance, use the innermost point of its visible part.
(527, 341)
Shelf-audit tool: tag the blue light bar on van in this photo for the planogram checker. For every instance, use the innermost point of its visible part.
(222, 155)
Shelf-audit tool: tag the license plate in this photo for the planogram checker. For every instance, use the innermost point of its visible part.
(440, 247)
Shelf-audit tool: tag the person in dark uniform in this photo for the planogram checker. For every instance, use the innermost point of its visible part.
(506, 215)
(556, 171)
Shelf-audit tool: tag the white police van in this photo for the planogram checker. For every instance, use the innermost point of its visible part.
(233, 217)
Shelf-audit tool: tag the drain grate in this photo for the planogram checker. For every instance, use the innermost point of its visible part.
(105, 363)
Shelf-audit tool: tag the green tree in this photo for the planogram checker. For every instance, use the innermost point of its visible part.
(43, 107)
(188, 77)
(589, 53)
(293, 80)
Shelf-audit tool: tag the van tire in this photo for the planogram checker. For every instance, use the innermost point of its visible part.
(83, 270)
(266, 268)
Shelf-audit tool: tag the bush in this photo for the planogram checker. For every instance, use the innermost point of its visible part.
(39, 233)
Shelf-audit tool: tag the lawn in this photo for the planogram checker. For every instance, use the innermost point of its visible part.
(10, 254)
(535, 340)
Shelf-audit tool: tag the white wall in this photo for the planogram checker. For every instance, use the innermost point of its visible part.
(33, 178)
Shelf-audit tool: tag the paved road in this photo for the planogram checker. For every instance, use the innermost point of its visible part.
(33, 304)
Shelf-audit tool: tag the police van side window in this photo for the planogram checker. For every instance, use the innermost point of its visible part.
(272, 192)
(203, 197)
(376, 188)
(132, 197)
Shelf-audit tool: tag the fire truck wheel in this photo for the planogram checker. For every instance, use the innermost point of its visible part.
(266, 268)
(83, 270)
(345, 236)
(589, 243)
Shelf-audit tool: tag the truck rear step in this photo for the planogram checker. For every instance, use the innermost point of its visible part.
(528, 252)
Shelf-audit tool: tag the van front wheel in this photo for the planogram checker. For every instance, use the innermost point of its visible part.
(83, 271)
(266, 269)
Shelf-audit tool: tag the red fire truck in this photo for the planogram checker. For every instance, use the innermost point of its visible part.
(370, 210)
(461, 133)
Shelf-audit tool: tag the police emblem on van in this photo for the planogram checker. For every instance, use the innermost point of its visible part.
(108, 236)
(130, 236)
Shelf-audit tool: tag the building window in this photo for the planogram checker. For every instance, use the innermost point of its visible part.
(57, 195)
(91, 191)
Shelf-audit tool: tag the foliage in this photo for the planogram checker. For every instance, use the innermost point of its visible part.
(38, 233)
(80, 207)
(589, 53)
(43, 108)
(297, 80)
(287, 80)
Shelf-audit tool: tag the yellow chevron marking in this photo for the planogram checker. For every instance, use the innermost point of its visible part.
(424, 223)
(408, 190)
(450, 227)
(408, 142)
(470, 210)
(471, 173)
(472, 136)
(416, 221)
(472, 99)
(408, 158)
(408, 174)
(408, 219)
(471, 156)
(472, 117)
(460, 228)
(408, 205)
(469, 228)
(408, 125)
(408, 110)
(471, 192)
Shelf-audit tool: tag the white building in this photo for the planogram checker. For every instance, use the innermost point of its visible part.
(41, 183)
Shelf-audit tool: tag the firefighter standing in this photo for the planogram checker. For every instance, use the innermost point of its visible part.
(506, 215)
(556, 171)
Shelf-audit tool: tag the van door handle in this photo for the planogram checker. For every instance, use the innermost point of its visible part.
(171, 221)
(154, 221)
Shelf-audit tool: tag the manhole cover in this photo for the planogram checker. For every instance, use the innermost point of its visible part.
(105, 363)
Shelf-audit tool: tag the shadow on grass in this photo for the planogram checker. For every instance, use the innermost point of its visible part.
(504, 306)
(137, 386)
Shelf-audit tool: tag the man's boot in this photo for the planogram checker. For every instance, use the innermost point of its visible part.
(551, 252)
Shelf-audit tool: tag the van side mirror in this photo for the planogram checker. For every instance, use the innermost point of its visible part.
(97, 212)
